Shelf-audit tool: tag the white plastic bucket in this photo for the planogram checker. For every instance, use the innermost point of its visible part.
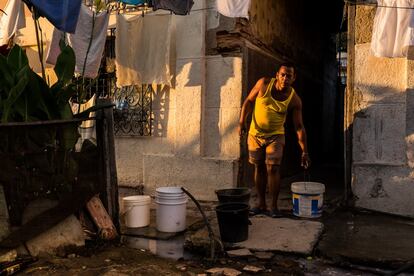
(171, 209)
(136, 210)
(307, 199)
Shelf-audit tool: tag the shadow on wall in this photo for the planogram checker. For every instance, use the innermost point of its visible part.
(382, 139)
(217, 105)
(214, 127)
(160, 107)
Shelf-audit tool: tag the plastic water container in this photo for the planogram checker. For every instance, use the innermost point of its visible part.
(171, 209)
(136, 210)
(307, 199)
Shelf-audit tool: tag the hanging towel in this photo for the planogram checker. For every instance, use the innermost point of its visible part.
(63, 14)
(180, 7)
(233, 8)
(393, 29)
(79, 41)
(12, 20)
(142, 49)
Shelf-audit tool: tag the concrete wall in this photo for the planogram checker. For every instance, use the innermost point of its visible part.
(383, 126)
(195, 142)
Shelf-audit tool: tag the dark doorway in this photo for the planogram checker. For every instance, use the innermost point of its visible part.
(311, 39)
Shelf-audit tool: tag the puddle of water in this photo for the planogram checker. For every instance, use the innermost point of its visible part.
(170, 249)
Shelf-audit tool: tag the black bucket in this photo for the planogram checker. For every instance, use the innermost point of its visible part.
(233, 221)
(240, 195)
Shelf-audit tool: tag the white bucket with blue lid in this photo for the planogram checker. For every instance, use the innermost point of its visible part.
(307, 199)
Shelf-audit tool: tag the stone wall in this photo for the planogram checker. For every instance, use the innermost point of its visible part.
(382, 127)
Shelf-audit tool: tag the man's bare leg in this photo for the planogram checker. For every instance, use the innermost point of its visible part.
(260, 183)
(273, 178)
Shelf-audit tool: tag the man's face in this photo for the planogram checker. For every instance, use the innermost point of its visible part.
(285, 77)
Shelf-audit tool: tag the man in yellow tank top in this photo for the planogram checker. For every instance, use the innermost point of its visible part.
(270, 100)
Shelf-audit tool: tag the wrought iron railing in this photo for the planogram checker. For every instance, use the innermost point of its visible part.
(133, 109)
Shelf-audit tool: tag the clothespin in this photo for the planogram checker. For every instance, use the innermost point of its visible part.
(108, 8)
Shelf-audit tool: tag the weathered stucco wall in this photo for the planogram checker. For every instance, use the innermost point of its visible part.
(196, 149)
(382, 127)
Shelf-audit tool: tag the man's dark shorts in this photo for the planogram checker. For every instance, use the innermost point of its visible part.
(268, 150)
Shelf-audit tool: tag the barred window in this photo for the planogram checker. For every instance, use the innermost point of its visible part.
(133, 109)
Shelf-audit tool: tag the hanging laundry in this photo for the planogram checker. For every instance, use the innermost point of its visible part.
(393, 29)
(142, 49)
(80, 40)
(134, 2)
(12, 20)
(233, 8)
(180, 7)
(63, 14)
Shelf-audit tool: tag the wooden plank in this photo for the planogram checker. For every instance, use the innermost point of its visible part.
(100, 217)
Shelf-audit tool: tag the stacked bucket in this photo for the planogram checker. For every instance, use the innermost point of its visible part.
(233, 214)
(170, 214)
(171, 209)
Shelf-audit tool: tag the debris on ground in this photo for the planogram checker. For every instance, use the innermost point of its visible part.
(243, 252)
(253, 269)
(225, 271)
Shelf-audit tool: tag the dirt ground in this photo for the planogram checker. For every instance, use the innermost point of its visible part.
(116, 259)
(121, 260)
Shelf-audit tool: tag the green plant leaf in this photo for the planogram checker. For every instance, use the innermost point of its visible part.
(7, 79)
(66, 112)
(65, 65)
(17, 58)
(70, 136)
(42, 97)
(15, 92)
(63, 93)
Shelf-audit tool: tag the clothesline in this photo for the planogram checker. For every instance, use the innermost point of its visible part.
(115, 8)
(354, 3)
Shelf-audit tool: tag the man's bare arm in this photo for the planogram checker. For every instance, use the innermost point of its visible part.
(247, 106)
(300, 130)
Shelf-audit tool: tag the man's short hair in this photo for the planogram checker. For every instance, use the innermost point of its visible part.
(287, 64)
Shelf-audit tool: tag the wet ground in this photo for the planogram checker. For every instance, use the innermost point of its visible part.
(369, 238)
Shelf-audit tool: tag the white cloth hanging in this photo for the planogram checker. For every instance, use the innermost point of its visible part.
(233, 8)
(12, 20)
(393, 29)
(79, 41)
(143, 47)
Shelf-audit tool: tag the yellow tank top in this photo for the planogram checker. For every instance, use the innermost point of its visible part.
(269, 115)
